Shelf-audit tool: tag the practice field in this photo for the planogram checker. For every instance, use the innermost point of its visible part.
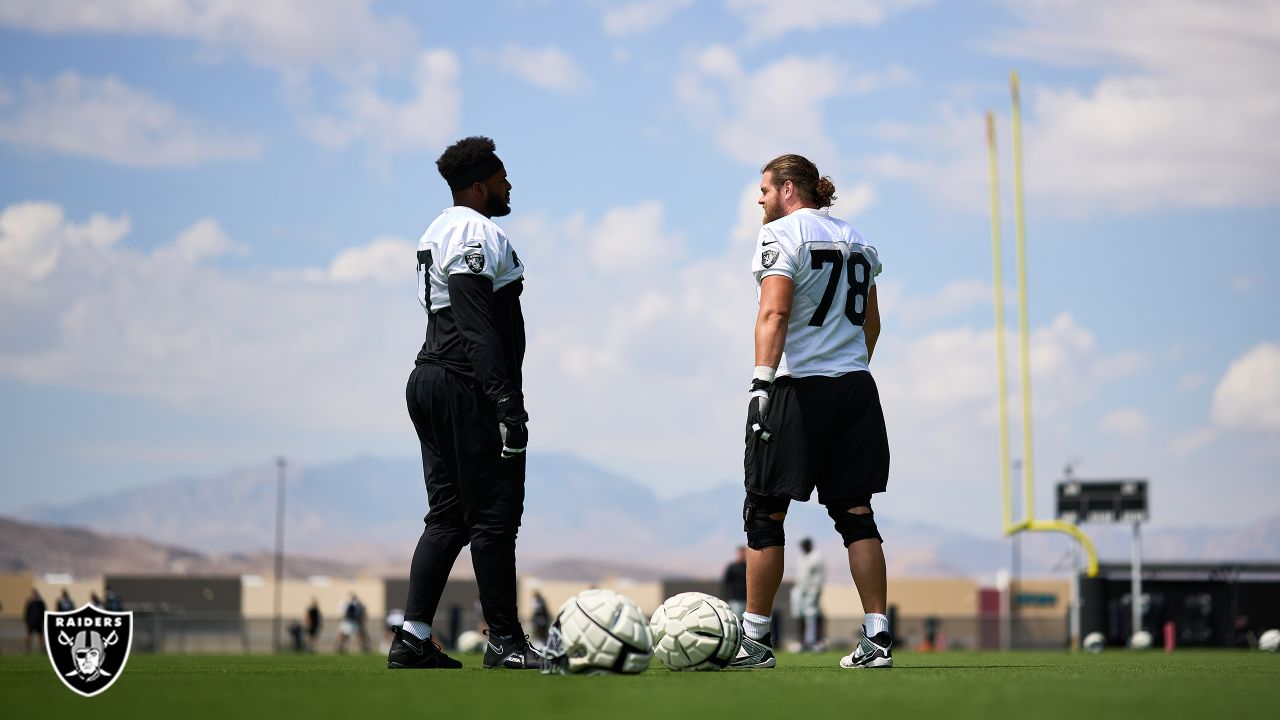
(1016, 685)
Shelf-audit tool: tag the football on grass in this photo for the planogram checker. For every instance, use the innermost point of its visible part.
(695, 631)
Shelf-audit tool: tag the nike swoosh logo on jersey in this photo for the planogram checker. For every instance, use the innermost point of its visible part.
(768, 242)
(473, 245)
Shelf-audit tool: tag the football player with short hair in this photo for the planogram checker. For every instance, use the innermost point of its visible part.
(814, 418)
(466, 401)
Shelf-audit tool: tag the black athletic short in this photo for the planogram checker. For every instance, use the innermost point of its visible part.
(828, 433)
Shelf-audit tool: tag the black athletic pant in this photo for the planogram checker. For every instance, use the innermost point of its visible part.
(474, 496)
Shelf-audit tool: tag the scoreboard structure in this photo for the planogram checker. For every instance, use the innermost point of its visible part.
(1102, 501)
(1111, 502)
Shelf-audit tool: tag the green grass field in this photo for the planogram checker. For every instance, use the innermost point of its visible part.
(1210, 685)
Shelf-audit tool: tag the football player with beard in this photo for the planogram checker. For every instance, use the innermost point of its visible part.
(814, 418)
(466, 401)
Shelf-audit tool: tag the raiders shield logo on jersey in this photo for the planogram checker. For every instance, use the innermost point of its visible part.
(475, 262)
(768, 258)
(88, 647)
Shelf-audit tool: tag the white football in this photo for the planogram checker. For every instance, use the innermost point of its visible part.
(599, 632)
(1270, 641)
(470, 641)
(1141, 640)
(695, 631)
(1094, 642)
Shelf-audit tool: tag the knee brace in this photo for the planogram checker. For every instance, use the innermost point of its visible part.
(762, 530)
(853, 527)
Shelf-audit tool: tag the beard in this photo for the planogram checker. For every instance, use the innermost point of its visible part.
(772, 212)
(496, 206)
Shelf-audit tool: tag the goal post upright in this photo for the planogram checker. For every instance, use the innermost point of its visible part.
(1024, 341)
(997, 272)
(1029, 521)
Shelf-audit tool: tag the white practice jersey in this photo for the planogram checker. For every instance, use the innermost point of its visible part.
(813, 574)
(833, 269)
(461, 240)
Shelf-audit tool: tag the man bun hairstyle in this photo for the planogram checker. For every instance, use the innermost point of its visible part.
(468, 161)
(803, 174)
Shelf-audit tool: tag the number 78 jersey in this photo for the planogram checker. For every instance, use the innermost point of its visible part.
(833, 269)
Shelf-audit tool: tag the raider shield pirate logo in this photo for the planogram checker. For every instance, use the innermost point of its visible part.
(88, 647)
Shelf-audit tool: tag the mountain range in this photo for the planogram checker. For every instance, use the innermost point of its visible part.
(580, 520)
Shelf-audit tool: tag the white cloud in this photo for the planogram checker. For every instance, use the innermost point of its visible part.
(106, 119)
(1186, 444)
(1175, 120)
(172, 328)
(359, 53)
(953, 299)
(549, 68)
(426, 121)
(632, 238)
(615, 309)
(851, 203)
(290, 35)
(939, 391)
(382, 260)
(758, 115)
(1128, 423)
(641, 16)
(33, 236)
(1248, 397)
(201, 241)
(768, 19)
(379, 261)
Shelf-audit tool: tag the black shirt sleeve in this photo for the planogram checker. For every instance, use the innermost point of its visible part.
(472, 300)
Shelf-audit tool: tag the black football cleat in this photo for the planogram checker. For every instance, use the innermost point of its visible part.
(871, 652)
(512, 652)
(755, 654)
(408, 652)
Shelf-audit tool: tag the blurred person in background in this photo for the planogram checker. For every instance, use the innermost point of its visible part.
(313, 623)
(806, 596)
(33, 613)
(65, 603)
(541, 619)
(349, 614)
(733, 584)
(114, 602)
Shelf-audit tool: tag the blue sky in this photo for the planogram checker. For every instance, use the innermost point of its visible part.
(208, 211)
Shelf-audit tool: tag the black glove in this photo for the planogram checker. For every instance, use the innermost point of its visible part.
(758, 409)
(515, 438)
(512, 426)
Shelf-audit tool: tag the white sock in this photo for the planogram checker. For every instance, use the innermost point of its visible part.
(418, 629)
(756, 626)
(874, 624)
